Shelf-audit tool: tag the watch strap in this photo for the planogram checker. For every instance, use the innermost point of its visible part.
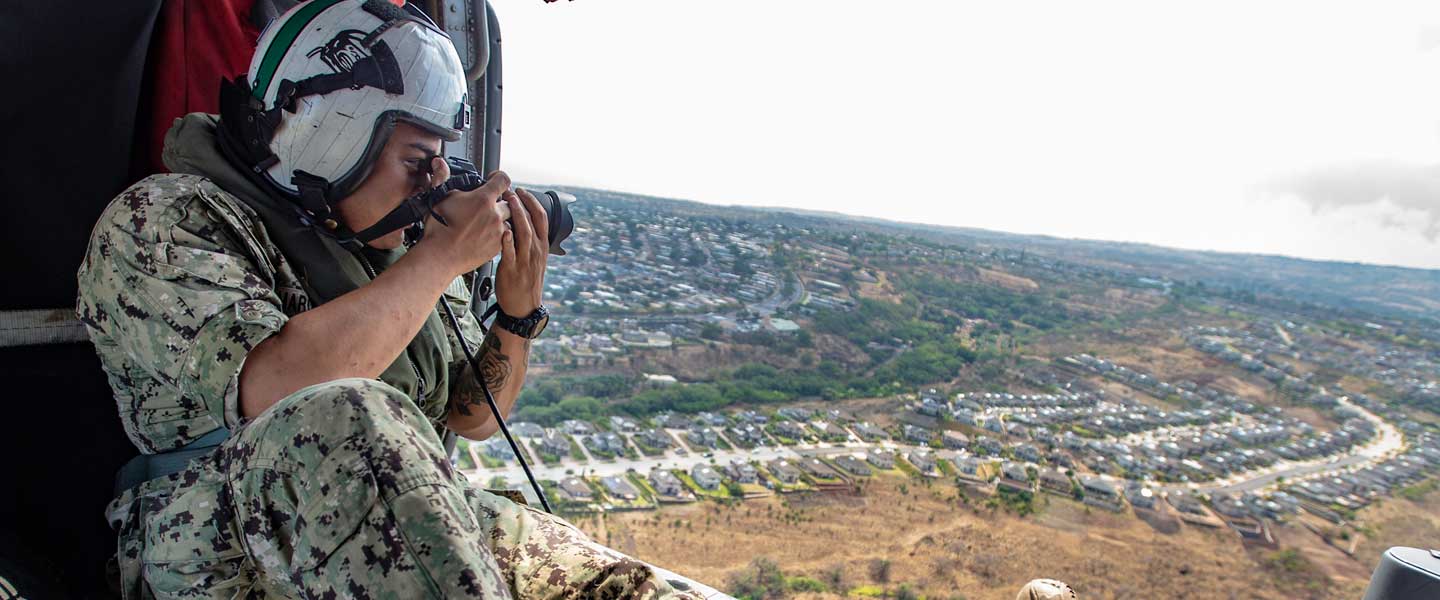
(524, 327)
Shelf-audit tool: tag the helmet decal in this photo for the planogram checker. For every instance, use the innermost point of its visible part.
(343, 51)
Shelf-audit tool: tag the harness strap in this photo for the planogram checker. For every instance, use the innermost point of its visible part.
(145, 467)
(40, 327)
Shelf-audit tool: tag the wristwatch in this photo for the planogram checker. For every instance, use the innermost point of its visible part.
(528, 327)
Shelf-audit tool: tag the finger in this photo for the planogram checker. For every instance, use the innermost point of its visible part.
(502, 208)
(439, 171)
(524, 229)
(495, 186)
(538, 216)
(507, 250)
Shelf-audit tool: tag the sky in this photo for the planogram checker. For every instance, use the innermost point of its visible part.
(1305, 129)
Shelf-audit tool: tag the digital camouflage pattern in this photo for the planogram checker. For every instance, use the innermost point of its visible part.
(177, 286)
(340, 490)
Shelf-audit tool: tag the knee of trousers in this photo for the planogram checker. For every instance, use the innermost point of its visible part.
(346, 456)
(347, 420)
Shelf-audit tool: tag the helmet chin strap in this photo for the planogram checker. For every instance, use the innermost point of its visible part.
(411, 212)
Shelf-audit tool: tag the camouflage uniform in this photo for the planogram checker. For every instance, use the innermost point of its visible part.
(339, 490)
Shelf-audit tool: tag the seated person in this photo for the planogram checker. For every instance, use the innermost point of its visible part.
(246, 298)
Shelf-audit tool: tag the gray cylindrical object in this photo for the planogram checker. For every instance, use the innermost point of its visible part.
(1406, 574)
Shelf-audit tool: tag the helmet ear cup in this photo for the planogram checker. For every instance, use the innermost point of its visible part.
(246, 129)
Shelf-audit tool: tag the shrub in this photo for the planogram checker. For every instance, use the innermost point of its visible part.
(761, 580)
(804, 584)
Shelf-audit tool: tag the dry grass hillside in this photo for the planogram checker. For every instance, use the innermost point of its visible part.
(941, 545)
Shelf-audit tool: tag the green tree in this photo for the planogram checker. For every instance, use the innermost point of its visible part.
(761, 580)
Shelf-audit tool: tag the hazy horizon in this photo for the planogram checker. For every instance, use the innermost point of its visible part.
(837, 214)
(1286, 129)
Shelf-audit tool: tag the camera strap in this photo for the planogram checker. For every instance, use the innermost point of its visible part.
(413, 210)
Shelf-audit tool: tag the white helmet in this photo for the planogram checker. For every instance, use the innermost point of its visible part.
(328, 82)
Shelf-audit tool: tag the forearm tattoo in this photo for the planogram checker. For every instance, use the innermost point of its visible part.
(494, 365)
(495, 371)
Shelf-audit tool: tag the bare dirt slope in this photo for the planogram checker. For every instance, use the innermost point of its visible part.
(941, 545)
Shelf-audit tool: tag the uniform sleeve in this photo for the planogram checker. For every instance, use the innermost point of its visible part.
(458, 297)
(174, 288)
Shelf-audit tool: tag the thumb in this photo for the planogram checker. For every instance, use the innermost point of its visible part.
(440, 171)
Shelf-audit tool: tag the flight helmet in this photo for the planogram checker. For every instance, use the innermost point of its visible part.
(329, 81)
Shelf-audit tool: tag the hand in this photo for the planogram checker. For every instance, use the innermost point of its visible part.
(475, 221)
(519, 284)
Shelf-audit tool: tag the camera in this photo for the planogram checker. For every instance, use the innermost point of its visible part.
(465, 177)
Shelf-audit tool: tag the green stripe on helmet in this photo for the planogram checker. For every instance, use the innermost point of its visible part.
(280, 45)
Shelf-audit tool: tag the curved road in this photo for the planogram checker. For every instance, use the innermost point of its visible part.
(1387, 442)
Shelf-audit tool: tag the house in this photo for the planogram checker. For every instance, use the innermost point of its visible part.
(747, 434)
(795, 413)
(918, 435)
(752, 417)
(498, 447)
(870, 432)
(1028, 453)
(924, 460)
(555, 443)
(784, 471)
(955, 440)
(741, 472)
(671, 421)
(575, 427)
(830, 432)
(968, 467)
(529, 430)
(1102, 493)
(882, 459)
(623, 424)
(712, 419)
(705, 476)
(618, 488)
(1140, 495)
(654, 438)
(703, 436)
(932, 407)
(815, 468)
(607, 442)
(1230, 506)
(988, 446)
(666, 483)
(575, 489)
(1054, 481)
(852, 465)
(790, 430)
(1013, 476)
(1019, 430)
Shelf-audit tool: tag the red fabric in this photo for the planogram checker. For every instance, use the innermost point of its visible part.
(196, 43)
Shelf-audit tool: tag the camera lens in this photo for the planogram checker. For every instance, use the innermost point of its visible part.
(562, 223)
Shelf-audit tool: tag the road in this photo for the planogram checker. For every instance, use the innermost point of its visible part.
(774, 302)
(1387, 442)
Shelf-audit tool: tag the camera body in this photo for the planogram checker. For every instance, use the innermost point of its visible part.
(464, 177)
